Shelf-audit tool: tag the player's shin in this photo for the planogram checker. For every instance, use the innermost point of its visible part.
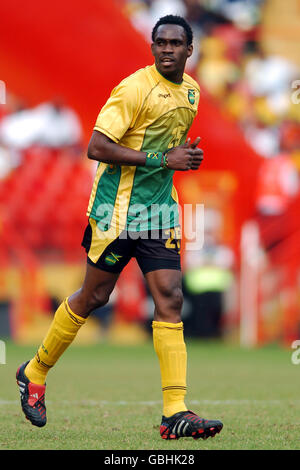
(62, 331)
(171, 351)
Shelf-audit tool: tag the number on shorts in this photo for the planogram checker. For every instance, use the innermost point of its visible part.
(174, 238)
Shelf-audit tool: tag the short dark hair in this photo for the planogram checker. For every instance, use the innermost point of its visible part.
(175, 19)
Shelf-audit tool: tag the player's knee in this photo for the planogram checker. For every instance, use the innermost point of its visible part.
(172, 297)
(98, 298)
(177, 299)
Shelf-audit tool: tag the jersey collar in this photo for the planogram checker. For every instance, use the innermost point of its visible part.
(165, 80)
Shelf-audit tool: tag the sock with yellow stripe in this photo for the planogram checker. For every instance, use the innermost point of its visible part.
(61, 333)
(170, 348)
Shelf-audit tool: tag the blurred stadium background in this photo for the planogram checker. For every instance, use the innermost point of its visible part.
(58, 64)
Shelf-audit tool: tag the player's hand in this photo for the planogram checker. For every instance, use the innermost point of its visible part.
(198, 153)
(185, 157)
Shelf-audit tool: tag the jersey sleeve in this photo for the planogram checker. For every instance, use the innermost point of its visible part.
(120, 111)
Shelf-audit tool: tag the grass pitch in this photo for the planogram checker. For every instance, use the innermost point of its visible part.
(108, 397)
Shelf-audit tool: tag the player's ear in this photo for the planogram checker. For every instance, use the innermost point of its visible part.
(152, 48)
(190, 50)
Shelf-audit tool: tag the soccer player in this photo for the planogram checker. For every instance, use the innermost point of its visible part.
(139, 140)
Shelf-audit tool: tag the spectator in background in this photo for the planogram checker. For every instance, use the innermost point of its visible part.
(262, 138)
(143, 13)
(8, 160)
(268, 75)
(50, 124)
(260, 99)
(207, 278)
(215, 71)
(277, 185)
(244, 14)
(290, 136)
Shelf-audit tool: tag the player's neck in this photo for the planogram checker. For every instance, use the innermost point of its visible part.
(175, 78)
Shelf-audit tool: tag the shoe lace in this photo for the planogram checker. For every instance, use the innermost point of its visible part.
(194, 418)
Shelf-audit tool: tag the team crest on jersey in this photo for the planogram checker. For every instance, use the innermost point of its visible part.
(191, 96)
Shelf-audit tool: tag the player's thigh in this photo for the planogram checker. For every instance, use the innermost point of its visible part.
(108, 252)
(159, 249)
(158, 256)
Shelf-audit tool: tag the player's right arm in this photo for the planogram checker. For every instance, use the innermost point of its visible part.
(103, 149)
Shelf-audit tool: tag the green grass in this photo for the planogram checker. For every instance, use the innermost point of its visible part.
(108, 397)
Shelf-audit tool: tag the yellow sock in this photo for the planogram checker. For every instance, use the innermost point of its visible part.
(61, 333)
(170, 348)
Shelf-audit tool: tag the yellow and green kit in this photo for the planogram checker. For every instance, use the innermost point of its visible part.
(148, 113)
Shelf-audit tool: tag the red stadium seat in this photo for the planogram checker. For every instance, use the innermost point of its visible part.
(46, 200)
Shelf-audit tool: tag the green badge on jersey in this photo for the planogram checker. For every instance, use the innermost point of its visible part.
(191, 96)
(112, 258)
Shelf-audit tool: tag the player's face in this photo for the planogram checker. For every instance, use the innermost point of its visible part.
(171, 51)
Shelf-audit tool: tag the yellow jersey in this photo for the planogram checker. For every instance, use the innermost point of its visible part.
(148, 113)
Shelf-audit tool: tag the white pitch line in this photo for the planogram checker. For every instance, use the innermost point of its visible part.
(153, 403)
(192, 402)
(8, 402)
